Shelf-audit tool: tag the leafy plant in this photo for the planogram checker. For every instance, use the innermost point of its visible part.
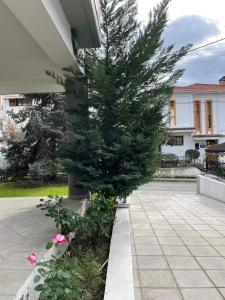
(62, 279)
(192, 154)
(66, 220)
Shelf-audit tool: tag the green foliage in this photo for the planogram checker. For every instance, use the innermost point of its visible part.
(42, 131)
(169, 157)
(68, 278)
(66, 220)
(192, 154)
(120, 124)
(96, 222)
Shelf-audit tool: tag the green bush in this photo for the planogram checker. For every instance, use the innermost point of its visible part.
(192, 154)
(66, 220)
(68, 278)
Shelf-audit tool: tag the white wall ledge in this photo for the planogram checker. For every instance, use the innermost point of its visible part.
(119, 281)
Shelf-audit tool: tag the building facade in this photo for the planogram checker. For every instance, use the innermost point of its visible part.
(9, 103)
(196, 118)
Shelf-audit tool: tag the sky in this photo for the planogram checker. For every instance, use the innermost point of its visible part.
(197, 22)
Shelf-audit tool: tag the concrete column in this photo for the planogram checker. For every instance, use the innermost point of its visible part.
(72, 102)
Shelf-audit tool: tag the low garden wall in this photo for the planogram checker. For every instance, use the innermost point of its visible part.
(182, 172)
(119, 281)
(211, 187)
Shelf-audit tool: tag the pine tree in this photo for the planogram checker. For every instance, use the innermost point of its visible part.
(129, 80)
(43, 130)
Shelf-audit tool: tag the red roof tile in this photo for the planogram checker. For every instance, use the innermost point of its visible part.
(201, 87)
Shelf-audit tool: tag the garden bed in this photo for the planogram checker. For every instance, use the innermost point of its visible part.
(79, 271)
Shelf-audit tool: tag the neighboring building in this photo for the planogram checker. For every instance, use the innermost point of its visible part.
(196, 117)
(9, 103)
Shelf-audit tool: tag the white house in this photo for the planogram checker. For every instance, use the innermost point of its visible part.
(196, 117)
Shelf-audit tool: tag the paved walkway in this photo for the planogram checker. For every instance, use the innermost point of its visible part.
(23, 229)
(178, 243)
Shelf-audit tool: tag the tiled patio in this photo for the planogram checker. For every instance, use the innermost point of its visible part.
(23, 229)
(178, 244)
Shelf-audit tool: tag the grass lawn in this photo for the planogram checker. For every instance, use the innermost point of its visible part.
(12, 190)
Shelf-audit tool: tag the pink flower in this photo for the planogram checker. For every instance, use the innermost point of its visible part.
(59, 239)
(32, 258)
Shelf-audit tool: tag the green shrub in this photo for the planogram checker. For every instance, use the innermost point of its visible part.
(68, 278)
(192, 154)
(66, 220)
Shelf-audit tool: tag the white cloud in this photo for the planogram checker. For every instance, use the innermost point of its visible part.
(205, 65)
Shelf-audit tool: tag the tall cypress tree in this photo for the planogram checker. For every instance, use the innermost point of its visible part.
(129, 80)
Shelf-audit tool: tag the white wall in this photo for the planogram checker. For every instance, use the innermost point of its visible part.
(211, 187)
(185, 118)
(180, 150)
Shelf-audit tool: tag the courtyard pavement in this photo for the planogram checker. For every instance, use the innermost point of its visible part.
(23, 229)
(178, 243)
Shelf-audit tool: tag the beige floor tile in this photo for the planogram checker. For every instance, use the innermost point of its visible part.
(11, 281)
(157, 279)
(182, 227)
(137, 294)
(175, 250)
(136, 278)
(134, 262)
(148, 250)
(203, 250)
(162, 226)
(201, 294)
(201, 227)
(192, 240)
(152, 262)
(143, 232)
(186, 233)
(192, 278)
(182, 263)
(18, 260)
(141, 226)
(217, 276)
(147, 240)
(220, 249)
(167, 240)
(160, 294)
(161, 232)
(222, 291)
(209, 233)
(215, 241)
(211, 263)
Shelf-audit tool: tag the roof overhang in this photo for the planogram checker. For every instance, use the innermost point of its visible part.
(36, 36)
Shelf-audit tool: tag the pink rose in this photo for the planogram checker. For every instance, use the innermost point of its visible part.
(59, 239)
(32, 258)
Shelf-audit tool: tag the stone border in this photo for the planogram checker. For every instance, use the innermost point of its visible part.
(211, 187)
(119, 280)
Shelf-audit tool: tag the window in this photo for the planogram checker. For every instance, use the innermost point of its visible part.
(172, 113)
(178, 140)
(197, 115)
(209, 116)
(19, 102)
